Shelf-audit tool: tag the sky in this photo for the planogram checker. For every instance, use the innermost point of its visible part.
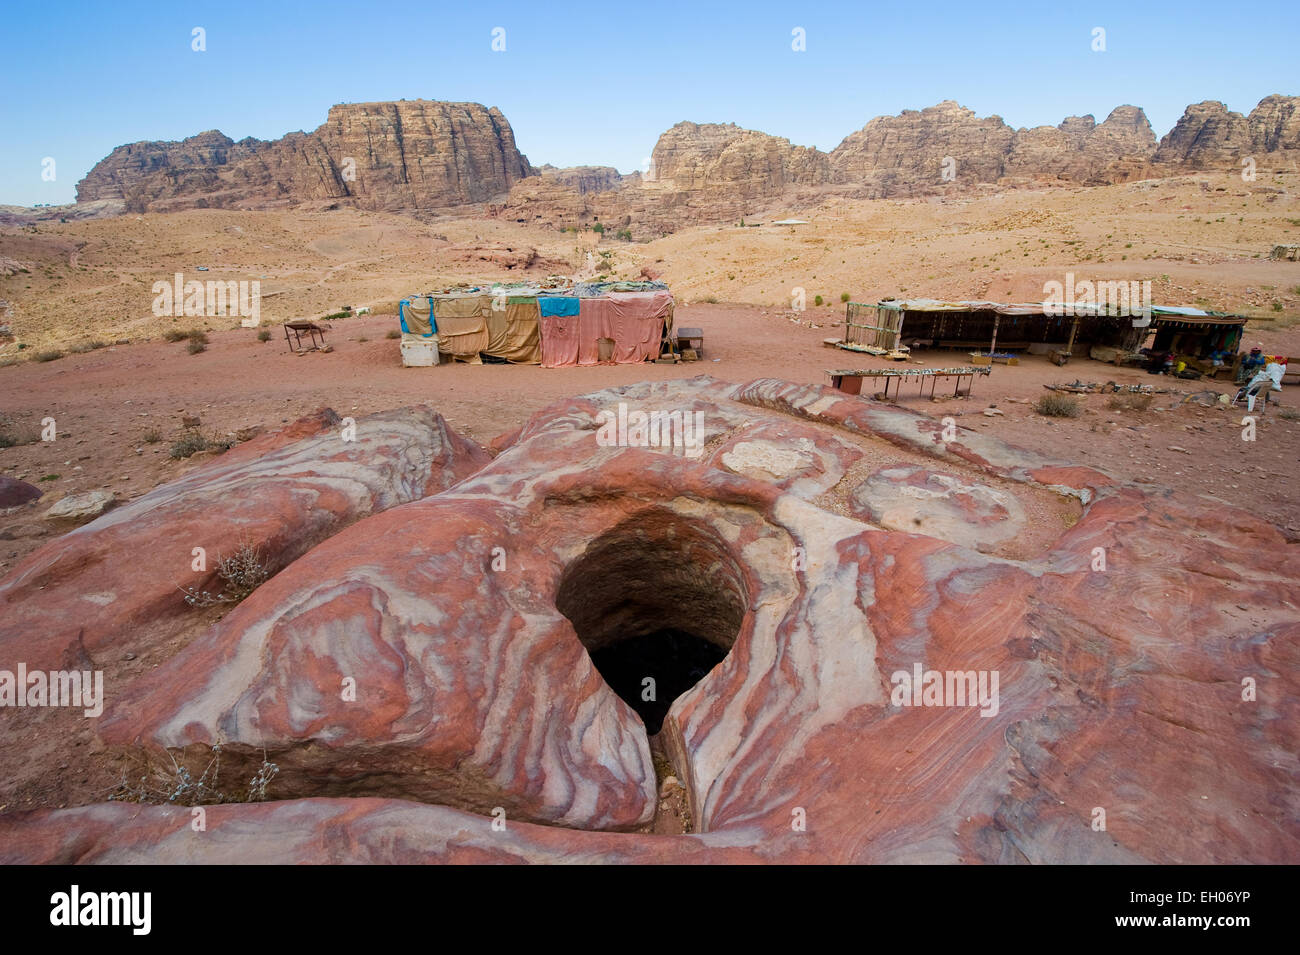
(596, 83)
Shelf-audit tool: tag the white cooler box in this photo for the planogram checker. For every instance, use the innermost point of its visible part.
(418, 352)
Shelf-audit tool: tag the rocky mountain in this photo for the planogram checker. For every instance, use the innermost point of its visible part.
(1210, 134)
(1207, 134)
(893, 152)
(692, 157)
(409, 155)
(415, 156)
(138, 169)
(1082, 151)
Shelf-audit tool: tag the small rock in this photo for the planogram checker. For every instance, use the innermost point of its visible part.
(80, 507)
(190, 421)
(1174, 447)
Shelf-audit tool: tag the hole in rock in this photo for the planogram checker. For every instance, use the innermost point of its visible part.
(654, 599)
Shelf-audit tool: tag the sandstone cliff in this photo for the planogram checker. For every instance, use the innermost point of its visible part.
(892, 154)
(1081, 151)
(1210, 134)
(150, 167)
(747, 164)
(1207, 134)
(419, 155)
(410, 155)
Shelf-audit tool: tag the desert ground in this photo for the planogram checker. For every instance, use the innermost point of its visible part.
(1202, 240)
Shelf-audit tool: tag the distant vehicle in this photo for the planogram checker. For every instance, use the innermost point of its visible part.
(201, 268)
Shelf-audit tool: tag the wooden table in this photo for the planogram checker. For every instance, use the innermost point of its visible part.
(691, 338)
(849, 381)
(298, 328)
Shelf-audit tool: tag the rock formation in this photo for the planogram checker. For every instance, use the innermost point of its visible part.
(892, 153)
(92, 590)
(831, 557)
(421, 156)
(1081, 151)
(737, 163)
(141, 172)
(409, 155)
(1275, 124)
(1207, 134)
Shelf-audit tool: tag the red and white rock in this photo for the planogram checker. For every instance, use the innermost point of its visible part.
(115, 584)
(1130, 687)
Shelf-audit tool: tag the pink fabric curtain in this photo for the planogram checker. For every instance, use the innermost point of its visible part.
(634, 320)
(559, 340)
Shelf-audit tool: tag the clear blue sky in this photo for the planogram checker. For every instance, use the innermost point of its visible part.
(597, 82)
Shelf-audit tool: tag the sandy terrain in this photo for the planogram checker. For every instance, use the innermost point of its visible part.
(1202, 240)
(106, 402)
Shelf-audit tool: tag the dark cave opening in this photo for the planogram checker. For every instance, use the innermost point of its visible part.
(672, 661)
(654, 599)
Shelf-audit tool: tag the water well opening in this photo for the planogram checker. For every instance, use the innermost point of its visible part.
(654, 598)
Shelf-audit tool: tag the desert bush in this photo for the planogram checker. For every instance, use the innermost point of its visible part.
(710, 299)
(152, 436)
(1129, 402)
(362, 338)
(15, 435)
(264, 335)
(598, 228)
(192, 442)
(1058, 406)
(82, 347)
(177, 786)
(1289, 414)
(845, 297)
(197, 335)
(243, 571)
(195, 346)
(393, 333)
(175, 335)
(51, 355)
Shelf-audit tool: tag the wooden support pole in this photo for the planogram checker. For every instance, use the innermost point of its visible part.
(993, 345)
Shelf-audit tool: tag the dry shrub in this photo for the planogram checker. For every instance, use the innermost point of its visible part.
(1058, 406)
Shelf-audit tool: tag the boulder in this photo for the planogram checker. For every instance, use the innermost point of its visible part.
(15, 493)
(81, 507)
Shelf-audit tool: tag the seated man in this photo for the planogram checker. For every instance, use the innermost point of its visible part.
(1251, 363)
(1270, 379)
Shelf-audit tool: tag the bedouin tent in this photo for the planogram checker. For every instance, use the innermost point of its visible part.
(553, 327)
(572, 327)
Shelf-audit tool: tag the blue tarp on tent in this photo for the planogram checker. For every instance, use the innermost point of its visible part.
(557, 305)
(416, 327)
